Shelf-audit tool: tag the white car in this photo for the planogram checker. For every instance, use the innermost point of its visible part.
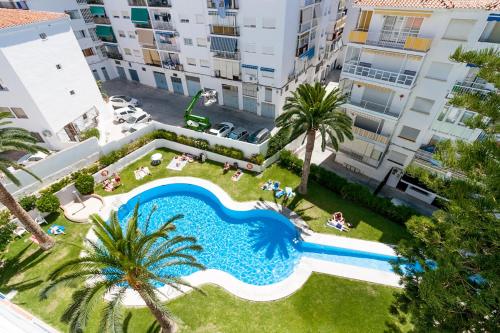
(121, 101)
(221, 129)
(136, 118)
(30, 159)
(122, 114)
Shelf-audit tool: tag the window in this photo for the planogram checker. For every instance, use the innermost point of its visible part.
(200, 19)
(204, 63)
(37, 136)
(88, 52)
(268, 95)
(452, 115)
(191, 61)
(465, 117)
(491, 33)
(267, 110)
(268, 23)
(79, 34)
(125, 14)
(269, 50)
(73, 14)
(96, 75)
(250, 47)
(6, 109)
(409, 133)
(249, 22)
(423, 105)
(19, 112)
(201, 42)
(396, 157)
(188, 41)
(121, 33)
(439, 71)
(127, 51)
(250, 89)
(131, 34)
(376, 155)
(459, 29)
(43, 36)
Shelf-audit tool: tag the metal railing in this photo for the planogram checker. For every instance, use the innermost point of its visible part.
(95, 2)
(141, 3)
(159, 3)
(217, 29)
(373, 106)
(399, 40)
(168, 47)
(114, 55)
(227, 55)
(378, 74)
(370, 135)
(171, 65)
(108, 39)
(161, 25)
(359, 157)
(148, 46)
(465, 87)
(101, 20)
(211, 4)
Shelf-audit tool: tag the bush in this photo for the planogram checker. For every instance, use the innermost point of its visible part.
(28, 202)
(349, 191)
(109, 159)
(48, 203)
(6, 229)
(84, 183)
(201, 144)
(90, 133)
(185, 140)
(257, 159)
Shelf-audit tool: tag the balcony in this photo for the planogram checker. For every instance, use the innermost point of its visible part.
(101, 20)
(384, 109)
(95, 2)
(114, 55)
(358, 131)
(159, 3)
(167, 64)
(216, 29)
(168, 47)
(391, 39)
(227, 55)
(162, 25)
(405, 78)
(475, 88)
(231, 4)
(359, 157)
(137, 3)
(426, 160)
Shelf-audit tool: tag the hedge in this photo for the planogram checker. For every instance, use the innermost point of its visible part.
(48, 203)
(89, 133)
(350, 191)
(28, 202)
(84, 183)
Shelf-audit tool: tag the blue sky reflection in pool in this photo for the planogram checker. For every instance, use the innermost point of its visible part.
(258, 247)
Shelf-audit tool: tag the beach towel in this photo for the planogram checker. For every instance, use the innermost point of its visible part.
(177, 164)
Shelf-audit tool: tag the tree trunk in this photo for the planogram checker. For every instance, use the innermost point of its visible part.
(167, 325)
(311, 137)
(45, 241)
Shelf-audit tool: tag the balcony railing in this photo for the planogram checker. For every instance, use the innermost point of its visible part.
(426, 159)
(373, 106)
(114, 55)
(470, 88)
(391, 39)
(212, 4)
(156, 63)
(95, 2)
(148, 46)
(405, 79)
(224, 30)
(108, 39)
(168, 47)
(137, 3)
(160, 25)
(101, 20)
(159, 3)
(171, 65)
(370, 135)
(359, 157)
(227, 55)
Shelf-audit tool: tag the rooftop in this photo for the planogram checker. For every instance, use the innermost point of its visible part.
(17, 17)
(441, 4)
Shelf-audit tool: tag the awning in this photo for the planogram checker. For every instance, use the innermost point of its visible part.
(222, 44)
(104, 31)
(98, 10)
(266, 69)
(249, 66)
(140, 15)
(145, 36)
(494, 17)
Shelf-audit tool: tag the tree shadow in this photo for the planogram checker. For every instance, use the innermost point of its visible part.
(17, 265)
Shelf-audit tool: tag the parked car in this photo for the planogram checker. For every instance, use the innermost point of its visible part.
(122, 114)
(121, 101)
(136, 118)
(259, 136)
(221, 129)
(239, 133)
(30, 159)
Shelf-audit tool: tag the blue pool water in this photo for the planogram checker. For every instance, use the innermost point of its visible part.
(258, 247)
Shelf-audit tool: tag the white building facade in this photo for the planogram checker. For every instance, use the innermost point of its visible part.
(398, 77)
(45, 83)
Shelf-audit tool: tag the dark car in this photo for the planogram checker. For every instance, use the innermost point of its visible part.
(259, 136)
(238, 133)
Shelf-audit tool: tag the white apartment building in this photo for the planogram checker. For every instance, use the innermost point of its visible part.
(398, 78)
(45, 82)
(84, 28)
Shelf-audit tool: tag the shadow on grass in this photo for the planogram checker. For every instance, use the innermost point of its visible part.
(17, 265)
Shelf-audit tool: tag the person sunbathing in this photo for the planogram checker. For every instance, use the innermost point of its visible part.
(226, 168)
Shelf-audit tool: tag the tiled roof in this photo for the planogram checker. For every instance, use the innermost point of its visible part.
(431, 4)
(15, 17)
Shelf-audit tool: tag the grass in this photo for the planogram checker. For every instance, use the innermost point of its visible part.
(315, 208)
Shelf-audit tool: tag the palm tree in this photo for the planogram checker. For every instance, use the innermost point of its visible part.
(13, 138)
(124, 258)
(311, 109)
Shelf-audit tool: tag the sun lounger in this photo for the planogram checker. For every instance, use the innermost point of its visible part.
(289, 192)
(40, 220)
(280, 193)
(138, 174)
(19, 231)
(337, 225)
(237, 175)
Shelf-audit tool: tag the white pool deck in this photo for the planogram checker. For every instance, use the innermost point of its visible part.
(273, 291)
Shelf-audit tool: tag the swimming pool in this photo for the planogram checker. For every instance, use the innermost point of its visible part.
(259, 247)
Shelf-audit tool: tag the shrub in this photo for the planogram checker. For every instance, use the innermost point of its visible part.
(48, 203)
(6, 229)
(257, 159)
(185, 140)
(109, 159)
(84, 183)
(201, 144)
(90, 133)
(162, 134)
(28, 202)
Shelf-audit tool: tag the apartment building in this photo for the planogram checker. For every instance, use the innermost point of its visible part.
(398, 78)
(45, 83)
(84, 28)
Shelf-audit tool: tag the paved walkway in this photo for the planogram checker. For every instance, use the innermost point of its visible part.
(14, 319)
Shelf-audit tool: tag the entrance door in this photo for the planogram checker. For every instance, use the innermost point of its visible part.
(177, 85)
(230, 96)
(96, 75)
(105, 73)
(193, 85)
(161, 80)
(133, 75)
(121, 72)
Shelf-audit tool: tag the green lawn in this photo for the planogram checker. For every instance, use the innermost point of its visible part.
(315, 208)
